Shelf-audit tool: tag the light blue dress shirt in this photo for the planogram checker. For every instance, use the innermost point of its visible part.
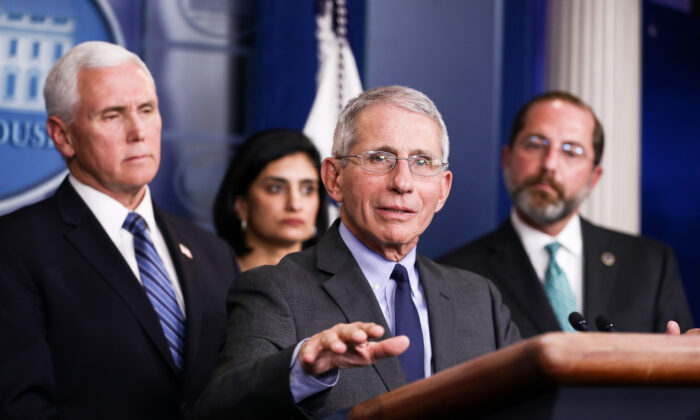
(377, 271)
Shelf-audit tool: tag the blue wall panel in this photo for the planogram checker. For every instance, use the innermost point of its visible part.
(450, 50)
(670, 137)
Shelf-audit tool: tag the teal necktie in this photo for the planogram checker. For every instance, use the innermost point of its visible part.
(556, 285)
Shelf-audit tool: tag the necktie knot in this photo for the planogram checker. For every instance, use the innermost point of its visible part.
(400, 275)
(134, 223)
(552, 249)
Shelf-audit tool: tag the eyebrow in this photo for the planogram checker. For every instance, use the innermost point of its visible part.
(577, 142)
(116, 108)
(285, 181)
(412, 153)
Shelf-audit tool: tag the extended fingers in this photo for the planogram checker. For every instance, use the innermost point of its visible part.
(359, 332)
(338, 337)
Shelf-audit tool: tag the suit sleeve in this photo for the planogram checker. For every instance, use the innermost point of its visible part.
(671, 301)
(27, 387)
(254, 364)
(506, 331)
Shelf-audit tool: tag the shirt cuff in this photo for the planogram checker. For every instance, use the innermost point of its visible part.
(304, 385)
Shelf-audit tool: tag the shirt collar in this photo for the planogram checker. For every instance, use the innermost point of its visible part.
(109, 212)
(570, 237)
(375, 267)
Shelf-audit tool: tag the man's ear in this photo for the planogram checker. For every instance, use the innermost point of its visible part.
(595, 175)
(445, 187)
(60, 134)
(332, 179)
(505, 155)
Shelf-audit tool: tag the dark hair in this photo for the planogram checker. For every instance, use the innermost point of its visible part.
(521, 116)
(249, 161)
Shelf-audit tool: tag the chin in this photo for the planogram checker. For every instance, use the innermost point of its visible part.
(398, 238)
(293, 238)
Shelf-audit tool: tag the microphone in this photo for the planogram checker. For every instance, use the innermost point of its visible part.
(604, 324)
(578, 322)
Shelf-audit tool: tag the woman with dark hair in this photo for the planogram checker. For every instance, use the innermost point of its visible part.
(271, 201)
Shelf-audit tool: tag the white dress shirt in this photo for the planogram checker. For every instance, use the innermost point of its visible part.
(569, 257)
(111, 215)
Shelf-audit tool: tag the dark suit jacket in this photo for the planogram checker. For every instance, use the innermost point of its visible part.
(274, 308)
(640, 291)
(79, 338)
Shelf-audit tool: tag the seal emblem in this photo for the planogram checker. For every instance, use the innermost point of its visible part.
(33, 35)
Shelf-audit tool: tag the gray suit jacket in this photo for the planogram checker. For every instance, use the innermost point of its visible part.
(274, 308)
(639, 290)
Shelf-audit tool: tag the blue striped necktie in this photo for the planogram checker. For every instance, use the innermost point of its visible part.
(558, 290)
(158, 287)
(408, 324)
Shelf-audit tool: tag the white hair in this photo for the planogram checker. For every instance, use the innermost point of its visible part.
(61, 88)
(399, 96)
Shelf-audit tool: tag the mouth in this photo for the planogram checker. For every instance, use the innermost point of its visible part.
(136, 158)
(292, 222)
(545, 185)
(396, 212)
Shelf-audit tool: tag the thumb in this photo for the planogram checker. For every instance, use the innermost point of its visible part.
(390, 347)
(672, 328)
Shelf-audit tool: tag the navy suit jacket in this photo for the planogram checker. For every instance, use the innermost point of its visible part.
(79, 338)
(639, 289)
(273, 308)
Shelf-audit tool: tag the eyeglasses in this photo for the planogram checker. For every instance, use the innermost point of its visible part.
(382, 162)
(539, 146)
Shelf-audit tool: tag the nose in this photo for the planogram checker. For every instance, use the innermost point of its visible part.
(551, 159)
(293, 200)
(401, 177)
(135, 128)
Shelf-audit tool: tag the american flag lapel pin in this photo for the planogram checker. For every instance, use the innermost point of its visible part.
(186, 251)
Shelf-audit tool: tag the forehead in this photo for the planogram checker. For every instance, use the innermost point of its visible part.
(126, 82)
(388, 127)
(291, 167)
(562, 120)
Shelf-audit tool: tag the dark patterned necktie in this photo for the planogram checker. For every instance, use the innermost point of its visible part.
(158, 287)
(408, 324)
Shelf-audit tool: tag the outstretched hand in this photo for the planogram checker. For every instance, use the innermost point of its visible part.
(672, 328)
(348, 345)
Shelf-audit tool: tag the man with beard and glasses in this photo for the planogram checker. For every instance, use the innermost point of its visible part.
(547, 260)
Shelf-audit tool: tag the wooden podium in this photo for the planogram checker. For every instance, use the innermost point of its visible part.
(559, 376)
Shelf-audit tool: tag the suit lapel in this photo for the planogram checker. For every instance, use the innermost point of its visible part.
(88, 237)
(349, 288)
(520, 280)
(440, 314)
(599, 277)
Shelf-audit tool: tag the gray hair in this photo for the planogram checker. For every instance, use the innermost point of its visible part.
(399, 96)
(61, 88)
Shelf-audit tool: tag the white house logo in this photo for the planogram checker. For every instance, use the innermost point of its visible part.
(30, 43)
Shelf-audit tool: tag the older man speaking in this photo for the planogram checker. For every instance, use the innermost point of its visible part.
(360, 313)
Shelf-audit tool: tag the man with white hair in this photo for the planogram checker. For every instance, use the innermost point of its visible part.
(109, 307)
(302, 335)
